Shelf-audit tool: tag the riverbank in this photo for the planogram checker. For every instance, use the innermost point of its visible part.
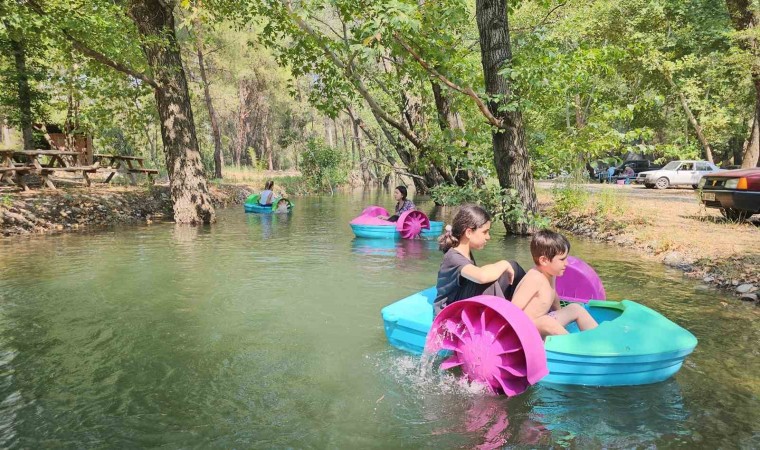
(74, 208)
(680, 233)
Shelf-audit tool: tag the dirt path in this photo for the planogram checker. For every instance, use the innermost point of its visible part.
(671, 226)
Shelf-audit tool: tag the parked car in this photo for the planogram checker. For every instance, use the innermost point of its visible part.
(638, 165)
(676, 173)
(735, 192)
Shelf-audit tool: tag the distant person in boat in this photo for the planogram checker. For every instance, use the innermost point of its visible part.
(459, 276)
(282, 205)
(537, 295)
(402, 204)
(266, 196)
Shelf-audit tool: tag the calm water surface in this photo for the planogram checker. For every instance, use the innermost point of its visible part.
(265, 332)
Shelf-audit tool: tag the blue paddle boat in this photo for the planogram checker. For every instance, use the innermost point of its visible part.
(488, 338)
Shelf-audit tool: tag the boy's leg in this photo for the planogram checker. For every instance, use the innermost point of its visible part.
(549, 326)
(576, 313)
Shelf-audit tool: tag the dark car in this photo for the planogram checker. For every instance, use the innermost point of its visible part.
(735, 192)
(638, 165)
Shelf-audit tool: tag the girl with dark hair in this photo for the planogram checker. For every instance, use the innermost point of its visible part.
(266, 196)
(402, 204)
(459, 276)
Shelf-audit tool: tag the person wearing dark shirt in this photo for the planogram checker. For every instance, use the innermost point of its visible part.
(459, 276)
(402, 204)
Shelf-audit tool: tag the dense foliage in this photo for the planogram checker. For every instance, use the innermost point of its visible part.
(395, 88)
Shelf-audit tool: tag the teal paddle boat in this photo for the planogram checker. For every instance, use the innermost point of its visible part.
(252, 205)
(495, 343)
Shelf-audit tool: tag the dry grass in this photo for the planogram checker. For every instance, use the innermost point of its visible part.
(248, 175)
(675, 225)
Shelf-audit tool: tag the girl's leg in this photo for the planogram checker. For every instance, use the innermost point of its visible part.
(576, 313)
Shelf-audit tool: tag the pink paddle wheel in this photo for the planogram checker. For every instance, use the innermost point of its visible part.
(411, 223)
(492, 341)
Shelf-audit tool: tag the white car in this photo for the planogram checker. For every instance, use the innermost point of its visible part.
(676, 173)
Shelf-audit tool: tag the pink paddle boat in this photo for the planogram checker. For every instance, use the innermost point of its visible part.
(410, 225)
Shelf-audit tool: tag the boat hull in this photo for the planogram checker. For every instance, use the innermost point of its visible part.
(390, 231)
(256, 208)
(633, 345)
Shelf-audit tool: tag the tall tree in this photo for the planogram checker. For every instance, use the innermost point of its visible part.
(215, 131)
(24, 93)
(155, 22)
(744, 16)
(510, 154)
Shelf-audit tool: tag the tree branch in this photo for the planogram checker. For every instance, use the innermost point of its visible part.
(395, 169)
(327, 25)
(542, 21)
(357, 82)
(94, 54)
(464, 90)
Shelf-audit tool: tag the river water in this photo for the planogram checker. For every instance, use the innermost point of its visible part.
(265, 332)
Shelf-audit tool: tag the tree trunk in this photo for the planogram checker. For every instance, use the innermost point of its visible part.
(189, 190)
(217, 134)
(510, 153)
(449, 120)
(242, 122)
(750, 157)
(356, 142)
(24, 91)
(745, 18)
(329, 140)
(5, 133)
(692, 119)
(268, 150)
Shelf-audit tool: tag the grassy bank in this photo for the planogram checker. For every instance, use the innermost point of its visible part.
(679, 233)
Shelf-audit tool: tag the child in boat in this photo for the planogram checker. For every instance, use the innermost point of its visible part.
(266, 196)
(536, 293)
(459, 276)
(402, 204)
(282, 205)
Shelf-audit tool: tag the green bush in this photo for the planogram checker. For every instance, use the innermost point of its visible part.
(503, 204)
(323, 167)
(568, 199)
(609, 203)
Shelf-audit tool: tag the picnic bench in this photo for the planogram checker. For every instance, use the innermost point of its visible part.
(14, 164)
(123, 164)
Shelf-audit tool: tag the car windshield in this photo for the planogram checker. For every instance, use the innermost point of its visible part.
(672, 165)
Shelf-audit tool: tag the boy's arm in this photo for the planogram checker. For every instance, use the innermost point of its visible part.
(555, 303)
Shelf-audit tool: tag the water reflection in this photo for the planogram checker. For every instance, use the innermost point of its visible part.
(402, 248)
(270, 224)
(618, 416)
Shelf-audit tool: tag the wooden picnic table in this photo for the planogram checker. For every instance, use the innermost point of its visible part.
(123, 164)
(17, 163)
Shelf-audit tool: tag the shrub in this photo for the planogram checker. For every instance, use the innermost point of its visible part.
(568, 199)
(323, 167)
(503, 204)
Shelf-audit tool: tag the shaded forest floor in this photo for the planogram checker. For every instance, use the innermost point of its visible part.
(672, 227)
